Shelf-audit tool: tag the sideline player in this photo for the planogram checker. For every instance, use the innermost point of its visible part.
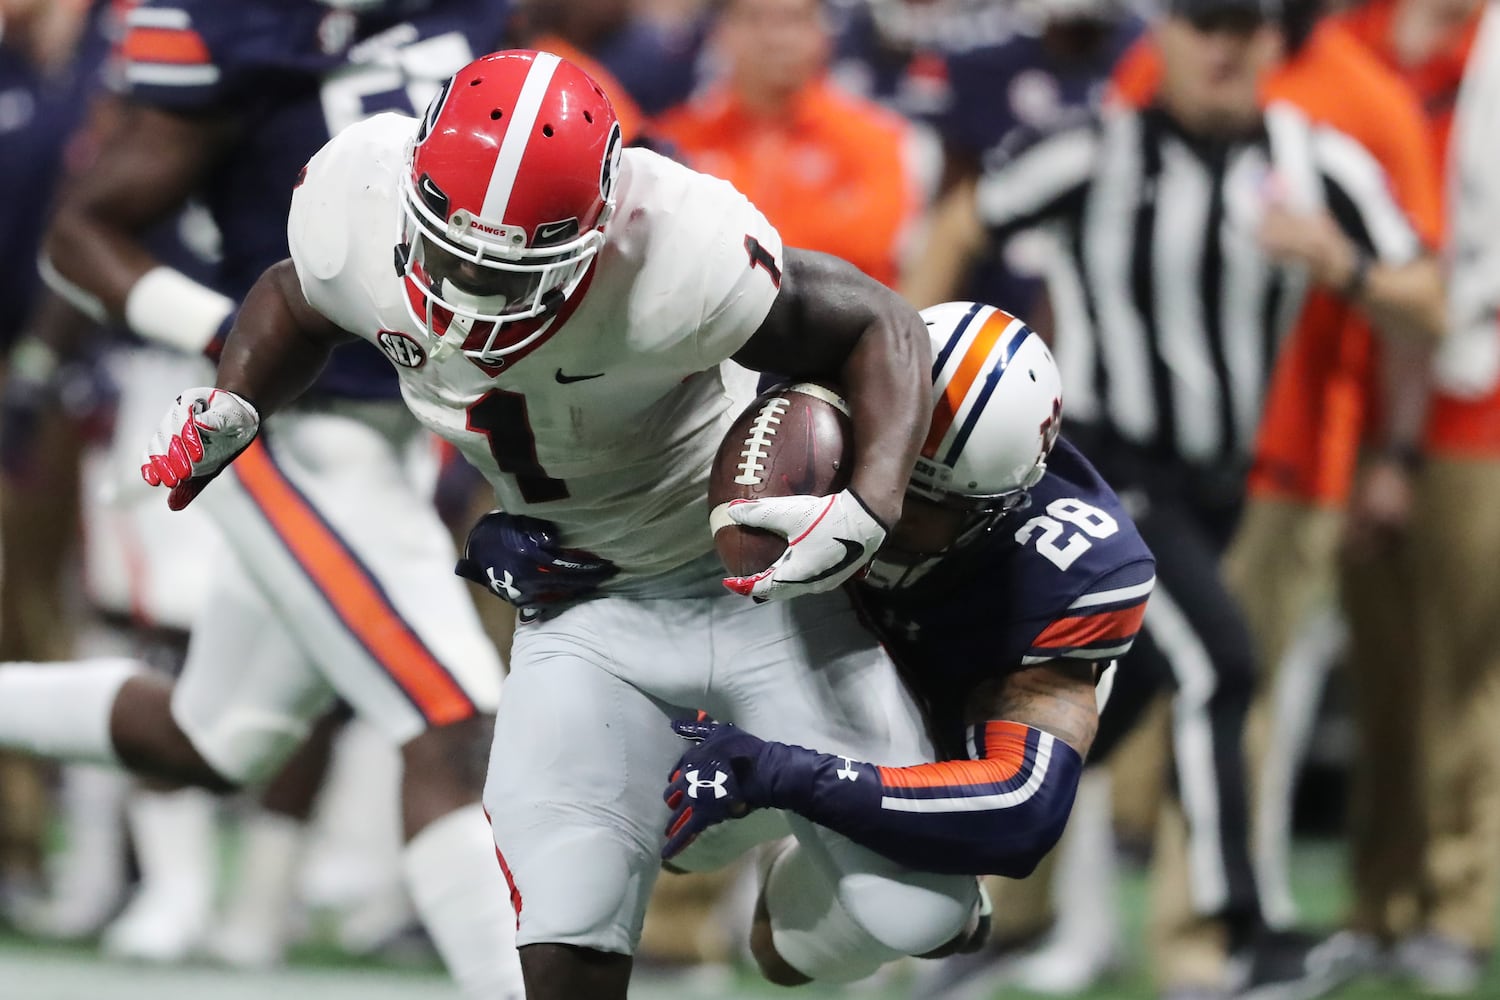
(561, 309)
(1013, 580)
(339, 578)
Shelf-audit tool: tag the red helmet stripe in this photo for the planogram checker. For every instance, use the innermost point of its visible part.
(518, 136)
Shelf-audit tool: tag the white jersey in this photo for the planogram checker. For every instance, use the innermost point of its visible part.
(609, 427)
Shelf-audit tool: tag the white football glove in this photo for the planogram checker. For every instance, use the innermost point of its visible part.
(200, 435)
(829, 539)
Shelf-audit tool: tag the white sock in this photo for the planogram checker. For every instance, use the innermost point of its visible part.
(92, 802)
(62, 710)
(254, 929)
(355, 839)
(176, 843)
(464, 902)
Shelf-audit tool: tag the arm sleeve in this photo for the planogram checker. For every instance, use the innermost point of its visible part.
(998, 813)
(1024, 188)
(1360, 199)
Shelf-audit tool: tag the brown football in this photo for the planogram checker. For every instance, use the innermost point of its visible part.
(794, 439)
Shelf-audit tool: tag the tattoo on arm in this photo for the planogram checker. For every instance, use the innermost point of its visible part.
(1056, 697)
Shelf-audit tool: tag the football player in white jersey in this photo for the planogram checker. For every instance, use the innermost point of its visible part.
(561, 310)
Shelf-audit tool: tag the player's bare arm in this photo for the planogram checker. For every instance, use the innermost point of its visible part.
(1055, 697)
(278, 344)
(830, 320)
(149, 162)
(277, 347)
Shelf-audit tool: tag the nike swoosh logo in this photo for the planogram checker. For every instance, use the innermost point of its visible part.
(853, 553)
(547, 232)
(565, 379)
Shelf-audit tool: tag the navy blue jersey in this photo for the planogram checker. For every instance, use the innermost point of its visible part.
(1066, 577)
(291, 73)
(38, 114)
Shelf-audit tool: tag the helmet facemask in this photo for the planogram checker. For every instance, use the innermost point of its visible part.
(896, 567)
(465, 272)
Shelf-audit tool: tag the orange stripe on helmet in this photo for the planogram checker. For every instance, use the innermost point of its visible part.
(969, 368)
(354, 596)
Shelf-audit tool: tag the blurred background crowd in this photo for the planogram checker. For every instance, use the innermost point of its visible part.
(1345, 506)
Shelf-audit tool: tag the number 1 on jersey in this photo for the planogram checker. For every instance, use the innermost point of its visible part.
(502, 418)
(762, 258)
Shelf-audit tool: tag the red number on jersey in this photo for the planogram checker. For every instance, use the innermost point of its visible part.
(761, 257)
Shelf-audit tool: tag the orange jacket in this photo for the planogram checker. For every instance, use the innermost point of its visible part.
(833, 173)
(1454, 425)
(1317, 405)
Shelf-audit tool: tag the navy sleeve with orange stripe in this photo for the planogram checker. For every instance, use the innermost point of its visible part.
(1102, 622)
(998, 813)
(167, 56)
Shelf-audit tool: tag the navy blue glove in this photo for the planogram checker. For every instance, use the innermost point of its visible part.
(714, 781)
(518, 559)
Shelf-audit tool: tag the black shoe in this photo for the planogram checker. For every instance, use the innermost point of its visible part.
(1291, 965)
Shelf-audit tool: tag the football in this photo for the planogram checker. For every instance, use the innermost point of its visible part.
(794, 439)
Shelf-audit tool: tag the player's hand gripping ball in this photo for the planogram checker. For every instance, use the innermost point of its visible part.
(783, 519)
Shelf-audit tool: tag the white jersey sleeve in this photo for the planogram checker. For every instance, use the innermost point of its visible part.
(714, 249)
(344, 214)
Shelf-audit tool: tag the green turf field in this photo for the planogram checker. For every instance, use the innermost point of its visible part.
(29, 971)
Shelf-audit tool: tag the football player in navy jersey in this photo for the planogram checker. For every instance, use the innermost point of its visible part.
(1009, 586)
(338, 576)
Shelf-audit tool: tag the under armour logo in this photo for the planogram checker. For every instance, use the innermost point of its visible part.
(847, 772)
(504, 586)
(717, 784)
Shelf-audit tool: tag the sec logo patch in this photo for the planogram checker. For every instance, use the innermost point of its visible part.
(401, 349)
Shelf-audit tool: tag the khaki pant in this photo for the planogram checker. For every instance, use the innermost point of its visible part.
(1280, 567)
(1384, 825)
(1456, 558)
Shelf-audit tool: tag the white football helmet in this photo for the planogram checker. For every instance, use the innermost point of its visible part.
(997, 411)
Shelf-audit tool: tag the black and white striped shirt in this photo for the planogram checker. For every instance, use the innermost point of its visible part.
(1168, 314)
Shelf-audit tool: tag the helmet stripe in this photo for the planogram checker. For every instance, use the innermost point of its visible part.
(971, 419)
(518, 135)
(969, 366)
(954, 338)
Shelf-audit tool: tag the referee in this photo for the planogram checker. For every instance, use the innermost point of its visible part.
(1189, 234)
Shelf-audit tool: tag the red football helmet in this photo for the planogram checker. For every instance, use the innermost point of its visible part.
(510, 183)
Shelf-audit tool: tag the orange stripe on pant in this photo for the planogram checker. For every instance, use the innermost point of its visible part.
(349, 590)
